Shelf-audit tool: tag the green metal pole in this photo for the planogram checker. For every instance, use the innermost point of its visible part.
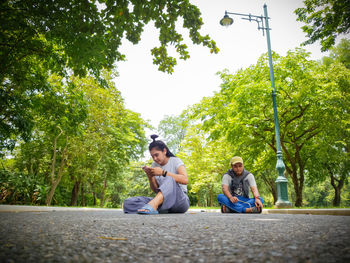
(281, 181)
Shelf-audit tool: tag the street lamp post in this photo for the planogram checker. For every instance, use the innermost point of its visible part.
(263, 24)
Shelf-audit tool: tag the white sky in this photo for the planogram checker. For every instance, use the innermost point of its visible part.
(155, 94)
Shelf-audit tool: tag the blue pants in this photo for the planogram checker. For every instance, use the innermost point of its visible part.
(239, 206)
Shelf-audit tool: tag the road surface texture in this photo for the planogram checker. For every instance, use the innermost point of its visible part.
(112, 236)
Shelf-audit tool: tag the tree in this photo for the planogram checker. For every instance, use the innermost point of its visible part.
(339, 53)
(113, 136)
(325, 20)
(44, 37)
(332, 152)
(206, 162)
(83, 141)
(173, 130)
(55, 177)
(330, 161)
(263, 168)
(59, 119)
(58, 115)
(330, 156)
(18, 96)
(242, 111)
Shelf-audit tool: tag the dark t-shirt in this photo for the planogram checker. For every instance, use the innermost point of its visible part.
(238, 191)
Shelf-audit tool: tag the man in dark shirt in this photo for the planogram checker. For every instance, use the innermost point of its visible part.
(236, 185)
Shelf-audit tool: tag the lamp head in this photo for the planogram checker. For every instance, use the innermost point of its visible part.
(226, 20)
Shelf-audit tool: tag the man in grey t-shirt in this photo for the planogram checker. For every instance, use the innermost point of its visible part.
(236, 186)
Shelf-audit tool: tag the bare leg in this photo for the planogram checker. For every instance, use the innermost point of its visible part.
(224, 209)
(253, 210)
(156, 201)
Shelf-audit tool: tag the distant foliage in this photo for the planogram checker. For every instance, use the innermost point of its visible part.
(20, 188)
(325, 20)
(83, 140)
(313, 105)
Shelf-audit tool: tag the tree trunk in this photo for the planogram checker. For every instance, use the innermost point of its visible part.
(93, 190)
(299, 198)
(103, 192)
(75, 193)
(271, 185)
(82, 191)
(95, 198)
(337, 198)
(211, 196)
(55, 184)
(296, 165)
(337, 188)
(299, 189)
(102, 198)
(51, 192)
(56, 181)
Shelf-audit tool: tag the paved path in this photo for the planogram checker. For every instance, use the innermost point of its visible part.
(100, 235)
(22, 208)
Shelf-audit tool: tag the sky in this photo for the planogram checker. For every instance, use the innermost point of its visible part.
(155, 94)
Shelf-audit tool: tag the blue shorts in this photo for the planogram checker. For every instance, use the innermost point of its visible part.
(240, 206)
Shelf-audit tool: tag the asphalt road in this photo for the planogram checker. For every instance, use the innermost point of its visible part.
(111, 236)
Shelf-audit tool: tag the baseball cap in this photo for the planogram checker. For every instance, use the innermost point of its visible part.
(235, 160)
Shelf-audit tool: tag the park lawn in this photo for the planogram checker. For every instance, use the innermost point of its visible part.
(271, 207)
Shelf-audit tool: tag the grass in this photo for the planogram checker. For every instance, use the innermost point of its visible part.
(271, 207)
(204, 207)
(209, 207)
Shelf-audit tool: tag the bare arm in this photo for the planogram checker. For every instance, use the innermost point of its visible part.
(256, 196)
(153, 183)
(179, 177)
(228, 194)
(152, 180)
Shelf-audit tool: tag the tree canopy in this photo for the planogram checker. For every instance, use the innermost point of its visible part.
(172, 129)
(310, 96)
(325, 20)
(85, 35)
(78, 38)
(339, 53)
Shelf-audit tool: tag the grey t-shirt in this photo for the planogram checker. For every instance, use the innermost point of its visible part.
(172, 165)
(227, 180)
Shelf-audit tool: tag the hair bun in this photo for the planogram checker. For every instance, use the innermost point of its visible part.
(154, 137)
